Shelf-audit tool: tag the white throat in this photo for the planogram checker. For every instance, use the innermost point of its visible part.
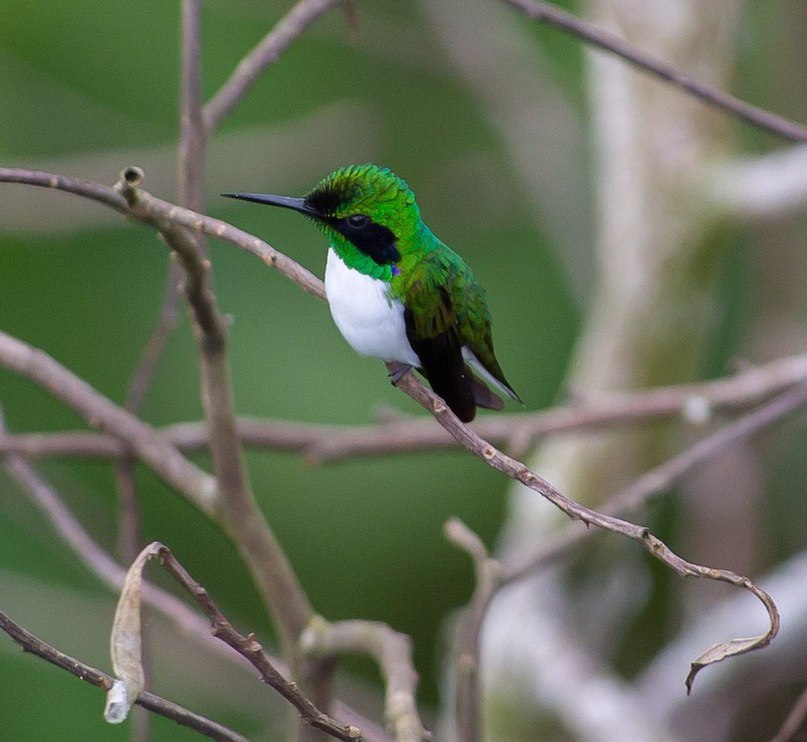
(369, 319)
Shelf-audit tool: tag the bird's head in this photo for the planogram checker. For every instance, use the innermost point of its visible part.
(359, 207)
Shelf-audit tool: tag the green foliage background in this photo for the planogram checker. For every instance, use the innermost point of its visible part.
(90, 86)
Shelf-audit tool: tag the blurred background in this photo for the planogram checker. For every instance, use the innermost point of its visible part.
(493, 123)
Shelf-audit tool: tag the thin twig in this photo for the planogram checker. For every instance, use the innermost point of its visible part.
(91, 675)
(552, 16)
(251, 650)
(695, 403)
(62, 519)
(491, 576)
(192, 133)
(112, 574)
(151, 209)
(661, 478)
(190, 168)
(268, 51)
(139, 384)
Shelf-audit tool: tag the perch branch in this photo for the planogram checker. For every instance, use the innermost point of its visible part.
(491, 576)
(665, 475)
(653, 545)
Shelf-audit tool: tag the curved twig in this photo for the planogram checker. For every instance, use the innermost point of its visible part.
(393, 653)
(247, 646)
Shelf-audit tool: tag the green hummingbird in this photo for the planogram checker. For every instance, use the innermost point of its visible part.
(396, 291)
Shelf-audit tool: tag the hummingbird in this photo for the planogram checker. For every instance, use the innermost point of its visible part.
(397, 292)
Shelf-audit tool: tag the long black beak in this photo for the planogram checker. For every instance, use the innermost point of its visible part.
(287, 202)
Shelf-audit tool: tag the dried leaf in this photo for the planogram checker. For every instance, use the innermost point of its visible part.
(720, 651)
(125, 643)
(734, 647)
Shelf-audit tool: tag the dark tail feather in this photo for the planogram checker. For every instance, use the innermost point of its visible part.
(442, 364)
(457, 393)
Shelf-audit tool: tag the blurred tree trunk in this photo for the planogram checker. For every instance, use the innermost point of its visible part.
(655, 304)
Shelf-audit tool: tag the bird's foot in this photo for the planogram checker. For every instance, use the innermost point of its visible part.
(398, 373)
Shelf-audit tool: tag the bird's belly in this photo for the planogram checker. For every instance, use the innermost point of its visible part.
(371, 321)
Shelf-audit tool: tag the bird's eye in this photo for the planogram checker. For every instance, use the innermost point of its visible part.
(357, 221)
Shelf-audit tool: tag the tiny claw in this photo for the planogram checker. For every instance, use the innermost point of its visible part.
(401, 371)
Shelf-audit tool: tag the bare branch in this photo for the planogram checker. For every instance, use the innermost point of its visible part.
(63, 521)
(693, 402)
(190, 168)
(86, 188)
(251, 650)
(323, 443)
(91, 675)
(553, 16)
(151, 209)
(490, 576)
(653, 545)
(102, 413)
(100, 563)
(241, 517)
(267, 52)
(193, 136)
(662, 477)
(393, 653)
(466, 660)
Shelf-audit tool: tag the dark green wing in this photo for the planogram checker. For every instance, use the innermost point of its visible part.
(433, 331)
(444, 310)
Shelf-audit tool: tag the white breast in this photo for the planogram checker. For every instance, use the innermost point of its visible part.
(368, 318)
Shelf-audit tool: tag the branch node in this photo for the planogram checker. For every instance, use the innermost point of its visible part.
(130, 178)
